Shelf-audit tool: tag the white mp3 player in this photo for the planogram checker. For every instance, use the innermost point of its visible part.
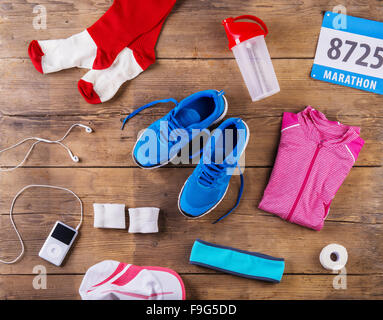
(58, 243)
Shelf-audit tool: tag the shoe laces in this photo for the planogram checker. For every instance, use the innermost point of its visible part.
(240, 192)
(173, 126)
(210, 173)
(174, 129)
(151, 104)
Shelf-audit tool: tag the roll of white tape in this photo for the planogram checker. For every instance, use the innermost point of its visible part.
(333, 257)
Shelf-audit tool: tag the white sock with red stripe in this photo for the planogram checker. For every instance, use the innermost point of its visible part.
(49, 56)
(101, 85)
(98, 86)
(98, 46)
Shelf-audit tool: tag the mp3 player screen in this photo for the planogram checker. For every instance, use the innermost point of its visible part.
(63, 234)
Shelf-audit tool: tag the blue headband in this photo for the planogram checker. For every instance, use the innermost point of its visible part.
(238, 262)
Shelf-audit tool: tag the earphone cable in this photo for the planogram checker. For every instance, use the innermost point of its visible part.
(13, 222)
(38, 140)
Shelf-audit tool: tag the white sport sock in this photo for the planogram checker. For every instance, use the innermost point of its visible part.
(79, 50)
(98, 86)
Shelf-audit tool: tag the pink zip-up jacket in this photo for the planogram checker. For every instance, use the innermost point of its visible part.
(314, 157)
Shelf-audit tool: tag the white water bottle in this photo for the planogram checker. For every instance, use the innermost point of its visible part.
(247, 42)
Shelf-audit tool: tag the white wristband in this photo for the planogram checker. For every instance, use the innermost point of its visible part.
(109, 215)
(143, 220)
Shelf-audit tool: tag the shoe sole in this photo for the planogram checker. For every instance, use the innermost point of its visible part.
(170, 160)
(227, 188)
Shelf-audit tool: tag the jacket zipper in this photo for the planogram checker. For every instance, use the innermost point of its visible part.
(319, 146)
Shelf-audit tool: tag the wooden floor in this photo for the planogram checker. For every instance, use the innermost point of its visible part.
(192, 56)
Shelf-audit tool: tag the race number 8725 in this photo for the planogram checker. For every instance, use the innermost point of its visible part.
(335, 53)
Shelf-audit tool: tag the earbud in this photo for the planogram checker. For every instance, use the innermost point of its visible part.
(87, 129)
(73, 157)
(38, 140)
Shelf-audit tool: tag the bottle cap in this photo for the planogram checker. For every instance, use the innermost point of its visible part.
(238, 32)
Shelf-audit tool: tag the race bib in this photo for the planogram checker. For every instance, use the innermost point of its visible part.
(350, 52)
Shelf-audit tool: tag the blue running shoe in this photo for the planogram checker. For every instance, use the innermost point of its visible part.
(207, 185)
(163, 139)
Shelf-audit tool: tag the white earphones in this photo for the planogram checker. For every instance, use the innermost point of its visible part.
(13, 222)
(38, 140)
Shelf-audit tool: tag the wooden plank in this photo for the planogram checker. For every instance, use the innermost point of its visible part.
(200, 287)
(247, 228)
(23, 91)
(34, 104)
(136, 188)
(109, 146)
(193, 30)
(269, 235)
